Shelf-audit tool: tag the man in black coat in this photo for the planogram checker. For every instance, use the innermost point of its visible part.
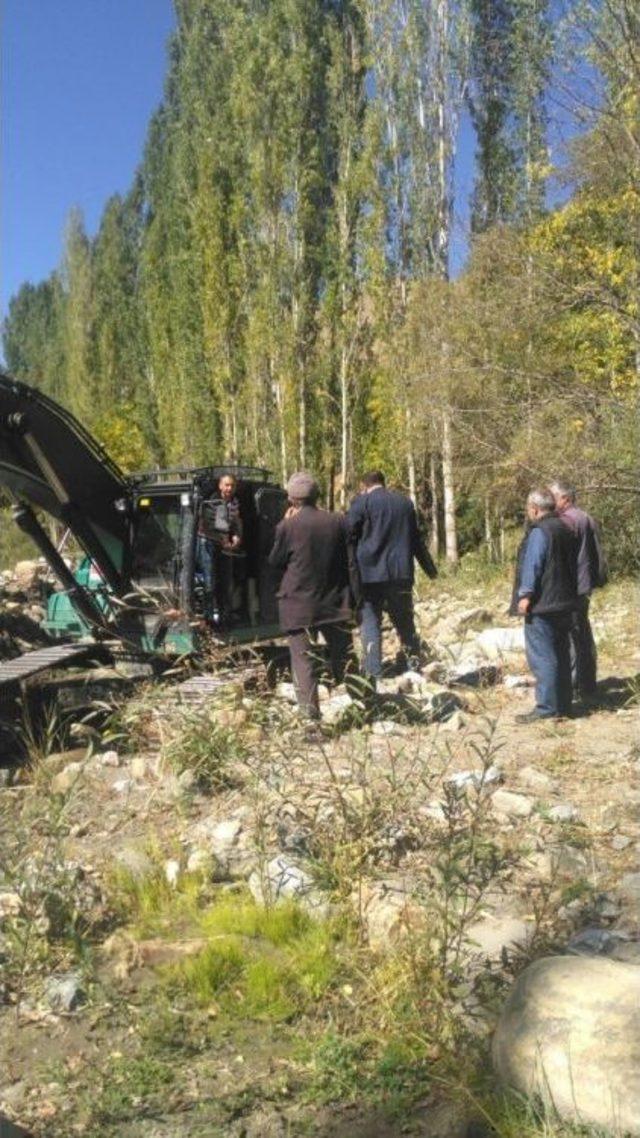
(385, 528)
(311, 557)
(546, 595)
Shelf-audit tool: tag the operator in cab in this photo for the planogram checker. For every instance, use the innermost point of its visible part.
(219, 544)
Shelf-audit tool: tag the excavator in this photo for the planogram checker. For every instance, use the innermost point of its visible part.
(136, 584)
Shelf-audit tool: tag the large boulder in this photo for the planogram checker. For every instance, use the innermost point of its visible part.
(570, 1033)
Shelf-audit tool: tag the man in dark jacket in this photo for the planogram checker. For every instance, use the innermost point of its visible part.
(311, 557)
(385, 528)
(592, 573)
(545, 593)
(218, 542)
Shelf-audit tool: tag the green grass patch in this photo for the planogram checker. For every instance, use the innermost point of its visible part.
(271, 964)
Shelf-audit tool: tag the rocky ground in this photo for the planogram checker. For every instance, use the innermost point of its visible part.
(211, 925)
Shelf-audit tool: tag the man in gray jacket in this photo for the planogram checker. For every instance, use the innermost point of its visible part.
(592, 574)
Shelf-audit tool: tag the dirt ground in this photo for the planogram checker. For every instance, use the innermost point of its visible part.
(249, 1078)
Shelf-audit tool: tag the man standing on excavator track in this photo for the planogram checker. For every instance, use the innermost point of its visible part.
(219, 540)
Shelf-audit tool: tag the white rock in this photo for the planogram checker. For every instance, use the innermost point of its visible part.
(109, 759)
(123, 785)
(286, 691)
(539, 782)
(134, 861)
(514, 805)
(495, 641)
(201, 861)
(495, 933)
(139, 767)
(570, 1033)
(228, 841)
(334, 708)
(172, 872)
(564, 812)
(66, 779)
(388, 912)
(511, 682)
(386, 727)
(464, 780)
(10, 903)
(285, 880)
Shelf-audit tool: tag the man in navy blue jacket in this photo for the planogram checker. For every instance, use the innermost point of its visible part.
(546, 595)
(384, 526)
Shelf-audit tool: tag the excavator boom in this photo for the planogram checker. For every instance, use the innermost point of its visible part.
(49, 461)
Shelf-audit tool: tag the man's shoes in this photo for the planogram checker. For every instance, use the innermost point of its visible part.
(533, 716)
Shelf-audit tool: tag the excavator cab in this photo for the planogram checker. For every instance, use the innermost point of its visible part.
(138, 580)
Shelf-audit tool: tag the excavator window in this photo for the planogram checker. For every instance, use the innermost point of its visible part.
(155, 542)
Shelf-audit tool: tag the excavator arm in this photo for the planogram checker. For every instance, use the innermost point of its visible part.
(48, 461)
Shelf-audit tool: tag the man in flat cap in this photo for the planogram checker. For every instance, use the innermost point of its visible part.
(310, 555)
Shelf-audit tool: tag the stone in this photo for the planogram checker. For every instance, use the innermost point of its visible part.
(172, 872)
(603, 942)
(229, 842)
(282, 879)
(570, 1033)
(286, 691)
(564, 812)
(187, 781)
(476, 779)
(493, 642)
(435, 671)
(65, 993)
(569, 861)
(66, 779)
(109, 759)
(202, 862)
(26, 574)
(133, 861)
(629, 890)
(511, 682)
(231, 716)
(334, 708)
(10, 903)
(474, 618)
(494, 933)
(385, 727)
(513, 805)
(388, 913)
(456, 722)
(620, 842)
(474, 675)
(537, 781)
(437, 706)
(123, 786)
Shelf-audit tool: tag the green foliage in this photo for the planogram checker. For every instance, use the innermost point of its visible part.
(275, 286)
(200, 744)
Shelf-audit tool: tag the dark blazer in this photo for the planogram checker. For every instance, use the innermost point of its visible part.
(385, 527)
(310, 556)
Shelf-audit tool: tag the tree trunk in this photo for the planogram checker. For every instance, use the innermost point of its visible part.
(435, 522)
(450, 533)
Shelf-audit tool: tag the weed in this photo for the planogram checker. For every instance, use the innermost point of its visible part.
(200, 744)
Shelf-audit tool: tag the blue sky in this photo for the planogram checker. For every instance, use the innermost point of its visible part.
(80, 79)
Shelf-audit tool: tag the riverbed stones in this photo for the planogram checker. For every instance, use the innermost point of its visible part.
(512, 804)
(283, 879)
(570, 1033)
(494, 642)
(65, 993)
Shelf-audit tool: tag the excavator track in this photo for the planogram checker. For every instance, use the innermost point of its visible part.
(30, 663)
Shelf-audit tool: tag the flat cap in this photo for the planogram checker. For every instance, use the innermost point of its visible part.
(302, 486)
